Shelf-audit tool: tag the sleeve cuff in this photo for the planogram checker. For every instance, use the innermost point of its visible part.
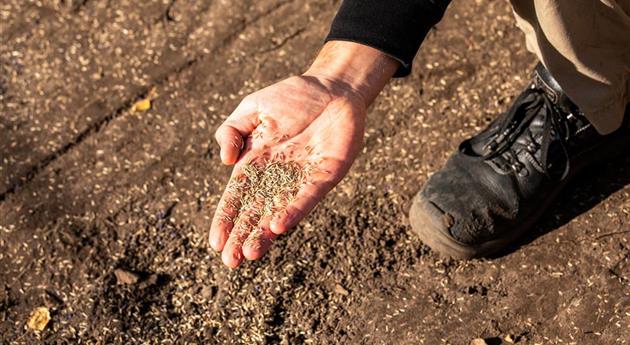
(397, 28)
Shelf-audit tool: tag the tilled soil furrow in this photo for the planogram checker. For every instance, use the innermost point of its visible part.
(44, 122)
(20, 181)
(162, 76)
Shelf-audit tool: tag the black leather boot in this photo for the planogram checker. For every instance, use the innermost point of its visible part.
(494, 188)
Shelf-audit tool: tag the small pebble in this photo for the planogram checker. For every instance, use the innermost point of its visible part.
(341, 290)
(125, 277)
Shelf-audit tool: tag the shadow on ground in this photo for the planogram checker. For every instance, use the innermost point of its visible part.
(588, 189)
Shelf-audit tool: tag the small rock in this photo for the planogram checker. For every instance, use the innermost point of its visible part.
(478, 341)
(207, 292)
(125, 277)
(341, 290)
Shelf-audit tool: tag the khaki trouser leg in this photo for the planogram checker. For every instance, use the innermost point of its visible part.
(585, 45)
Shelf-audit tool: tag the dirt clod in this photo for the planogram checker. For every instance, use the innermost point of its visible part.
(125, 277)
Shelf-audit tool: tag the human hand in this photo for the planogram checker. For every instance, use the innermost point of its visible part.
(308, 128)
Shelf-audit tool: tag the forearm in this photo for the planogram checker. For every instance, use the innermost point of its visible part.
(363, 69)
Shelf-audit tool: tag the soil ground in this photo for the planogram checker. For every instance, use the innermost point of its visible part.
(88, 186)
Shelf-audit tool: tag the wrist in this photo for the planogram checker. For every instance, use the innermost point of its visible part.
(361, 69)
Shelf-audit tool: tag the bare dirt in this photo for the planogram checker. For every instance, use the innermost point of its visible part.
(103, 215)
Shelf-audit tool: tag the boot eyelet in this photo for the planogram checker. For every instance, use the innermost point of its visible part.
(519, 168)
(532, 148)
(491, 146)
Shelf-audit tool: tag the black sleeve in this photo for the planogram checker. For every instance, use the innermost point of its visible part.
(395, 27)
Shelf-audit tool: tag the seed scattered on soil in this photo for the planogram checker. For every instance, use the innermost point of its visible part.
(478, 341)
(39, 319)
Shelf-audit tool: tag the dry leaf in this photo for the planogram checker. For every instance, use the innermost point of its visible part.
(144, 104)
(39, 319)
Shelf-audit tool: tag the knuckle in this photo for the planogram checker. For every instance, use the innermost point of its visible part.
(248, 99)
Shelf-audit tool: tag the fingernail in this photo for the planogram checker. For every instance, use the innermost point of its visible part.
(276, 220)
(215, 243)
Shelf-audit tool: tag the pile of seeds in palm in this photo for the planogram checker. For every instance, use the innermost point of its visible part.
(263, 190)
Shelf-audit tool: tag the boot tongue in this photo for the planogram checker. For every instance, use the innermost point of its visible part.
(507, 128)
(544, 81)
(480, 147)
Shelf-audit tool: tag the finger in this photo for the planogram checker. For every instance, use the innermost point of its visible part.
(223, 221)
(304, 202)
(258, 241)
(240, 124)
(231, 142)
(227, 210)
(232, 254)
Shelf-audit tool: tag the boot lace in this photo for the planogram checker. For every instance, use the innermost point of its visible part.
(513, 136)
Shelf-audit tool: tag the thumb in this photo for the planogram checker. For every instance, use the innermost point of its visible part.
(231, 134)
(231, 142)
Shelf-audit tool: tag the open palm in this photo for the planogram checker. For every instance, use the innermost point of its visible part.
(307, 120)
